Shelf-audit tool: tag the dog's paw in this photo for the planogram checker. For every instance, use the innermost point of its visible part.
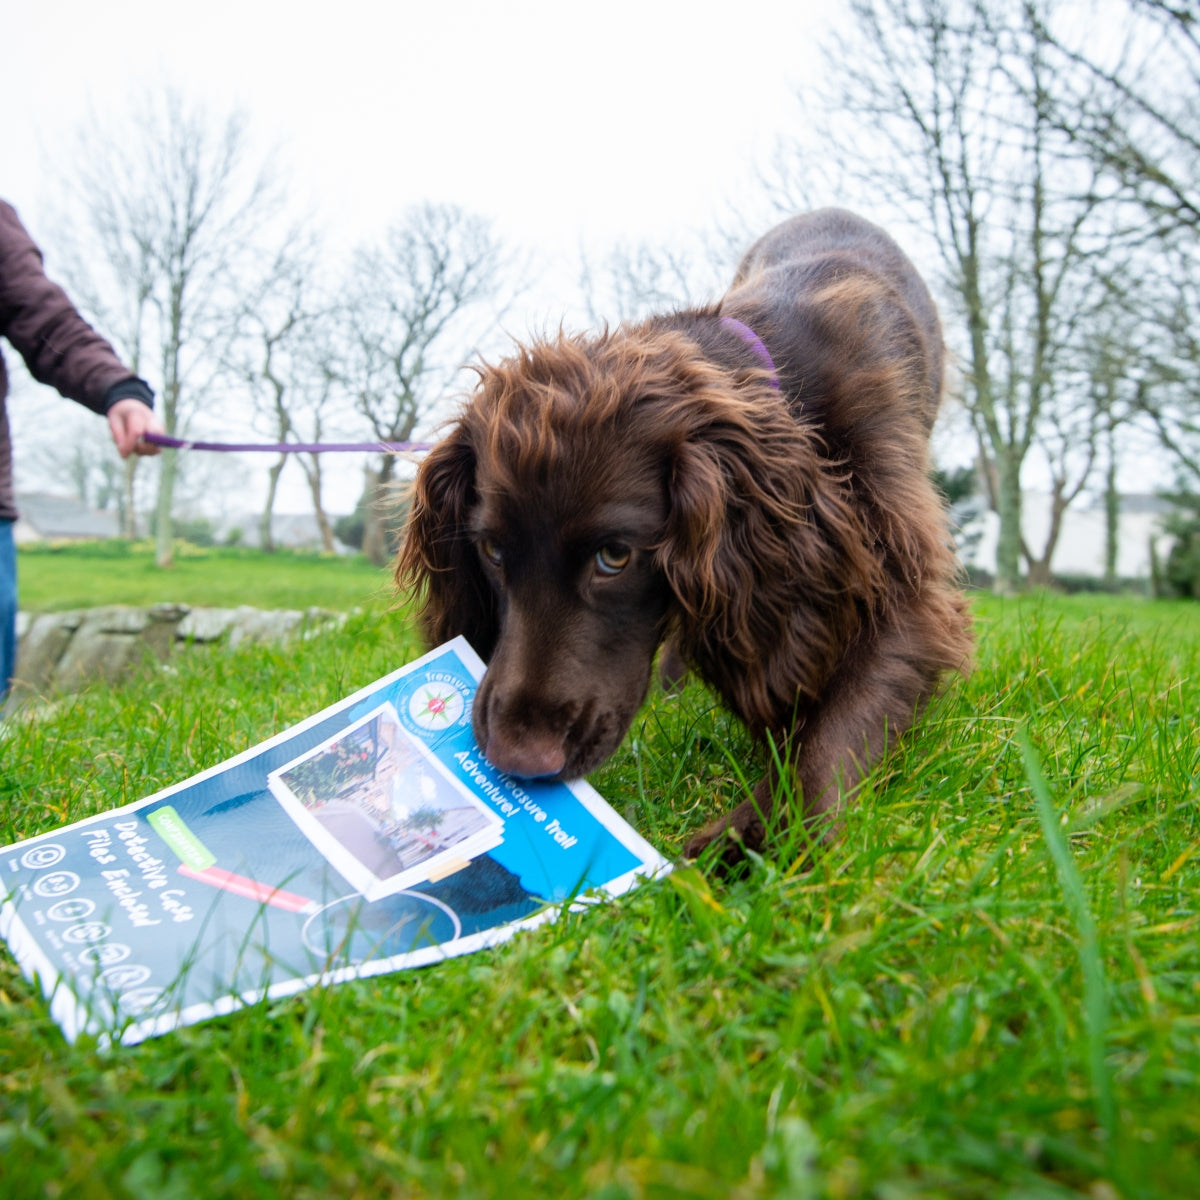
(731, 836)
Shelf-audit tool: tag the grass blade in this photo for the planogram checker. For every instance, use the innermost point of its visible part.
(1095, 987)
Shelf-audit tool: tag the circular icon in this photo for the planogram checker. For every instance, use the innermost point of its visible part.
(57, 883)
(89, 931)
(138, 1000)
(106, 955)
(436, 706)
(41, 857)
(131, 975)
(351, 930)
(71, 910)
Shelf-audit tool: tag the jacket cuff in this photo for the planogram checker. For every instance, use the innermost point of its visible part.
(132, 388)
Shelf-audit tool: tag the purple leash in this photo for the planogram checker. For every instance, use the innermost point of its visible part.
(172, 443)
(755, 343)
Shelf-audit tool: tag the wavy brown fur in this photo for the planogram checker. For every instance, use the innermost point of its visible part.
(788, 541)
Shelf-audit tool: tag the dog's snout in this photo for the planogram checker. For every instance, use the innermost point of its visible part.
(517, 733)
(532, 756)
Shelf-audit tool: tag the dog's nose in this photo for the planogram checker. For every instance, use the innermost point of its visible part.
(529, 757)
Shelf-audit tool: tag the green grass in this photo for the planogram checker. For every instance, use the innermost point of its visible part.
(988, 987)
(54, 577)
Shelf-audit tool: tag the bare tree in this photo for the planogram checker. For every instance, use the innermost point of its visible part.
(962, 146)
(1135, 111)
(413, 309)
(322, 403)
(634, 280)
(1134, 108)
(171, 203)
(281, 354)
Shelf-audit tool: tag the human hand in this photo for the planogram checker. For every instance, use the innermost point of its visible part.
(128, 419)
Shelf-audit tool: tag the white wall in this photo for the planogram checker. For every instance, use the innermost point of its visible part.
(1080, 549)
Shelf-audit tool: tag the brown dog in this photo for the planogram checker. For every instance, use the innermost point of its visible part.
(749, 481)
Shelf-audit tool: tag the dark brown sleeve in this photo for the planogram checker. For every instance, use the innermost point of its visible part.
(59, 347)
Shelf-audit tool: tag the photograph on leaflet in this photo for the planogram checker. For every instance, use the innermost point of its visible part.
(382, 810)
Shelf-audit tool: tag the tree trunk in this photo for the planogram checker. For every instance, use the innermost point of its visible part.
(125, 504)
(164, 548)
(164, 541)
(1112, 516)
(1008, 509)
(313, 475)
(266, 536)
(376, 512)
(1040, 574)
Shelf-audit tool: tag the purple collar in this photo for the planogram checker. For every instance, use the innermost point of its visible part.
(755, 343)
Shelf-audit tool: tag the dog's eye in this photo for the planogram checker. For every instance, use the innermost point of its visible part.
(491, 552)
(612, 560)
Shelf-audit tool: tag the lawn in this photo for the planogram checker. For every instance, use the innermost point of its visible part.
(988, 987)
(54, 577)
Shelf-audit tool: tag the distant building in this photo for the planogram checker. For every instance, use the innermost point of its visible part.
(1080, 548)
(45, 518)
(291, 531)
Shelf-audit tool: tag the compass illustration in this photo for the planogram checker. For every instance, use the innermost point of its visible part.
(436, 706)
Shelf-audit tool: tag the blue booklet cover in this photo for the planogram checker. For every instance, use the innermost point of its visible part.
(372, 837)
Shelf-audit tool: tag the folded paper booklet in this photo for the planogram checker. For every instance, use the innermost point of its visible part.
(369, 838)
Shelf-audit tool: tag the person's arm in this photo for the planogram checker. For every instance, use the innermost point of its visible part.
(60, 348)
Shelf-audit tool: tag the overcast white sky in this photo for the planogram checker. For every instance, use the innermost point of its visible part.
(569, 124)
(559, 119)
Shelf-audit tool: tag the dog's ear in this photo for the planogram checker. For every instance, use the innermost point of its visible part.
(437, 560)
(764, 554)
